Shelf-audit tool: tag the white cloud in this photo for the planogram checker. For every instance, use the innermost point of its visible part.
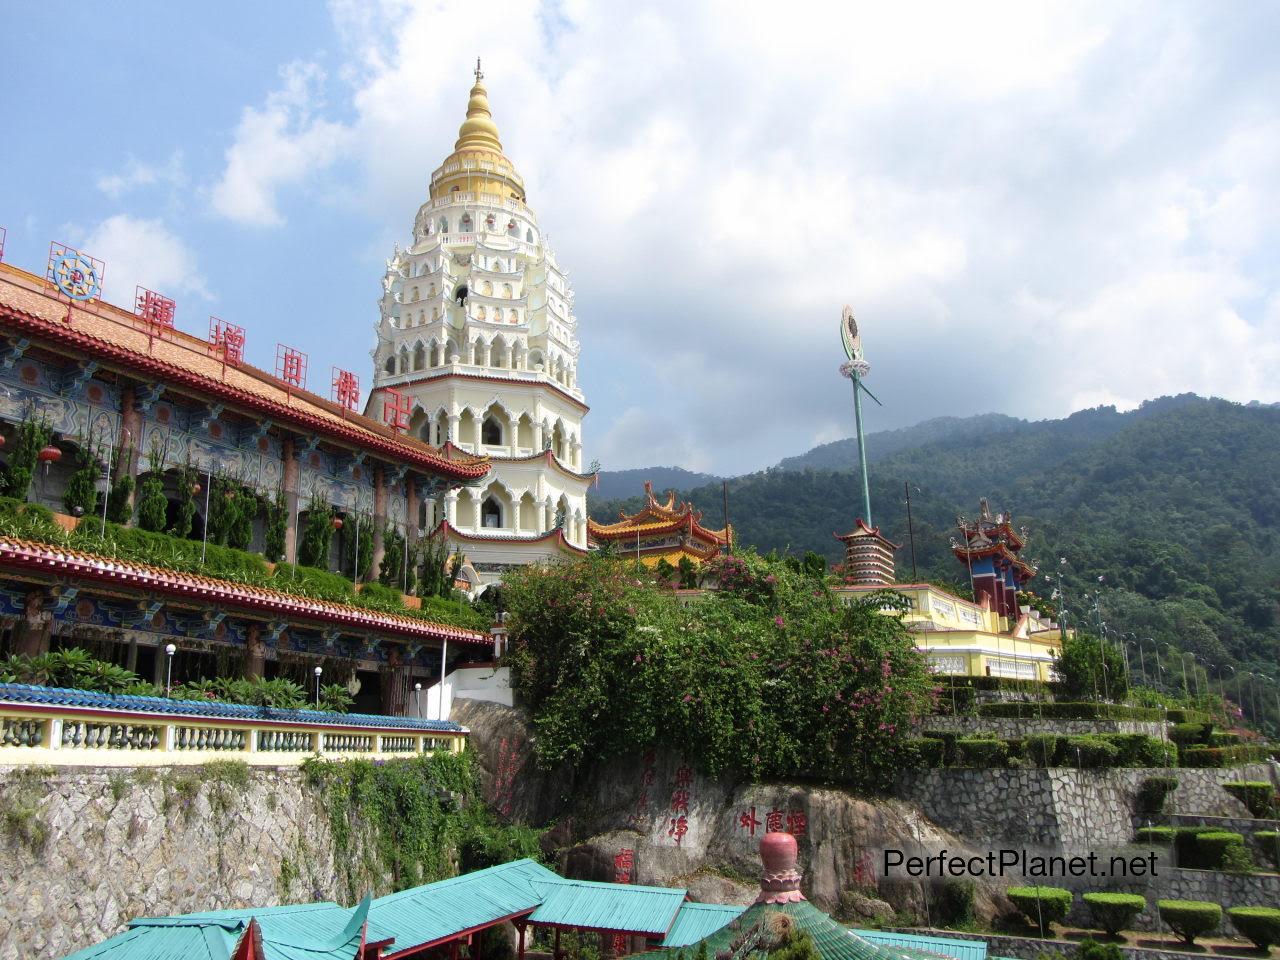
(1030, 206)
(280, 144)
(142, 253)
(136, 174)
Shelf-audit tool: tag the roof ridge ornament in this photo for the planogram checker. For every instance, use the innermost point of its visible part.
(780, 882)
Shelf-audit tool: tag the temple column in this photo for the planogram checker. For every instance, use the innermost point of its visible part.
(289, 481)
(544, 519)
(130, 441)
(451, 508)
(255, 653)
(454, 419)
(31, 633)
(395, 685)
(537, 436)
(379, 521)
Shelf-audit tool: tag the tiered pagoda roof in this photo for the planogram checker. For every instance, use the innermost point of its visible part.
(662, 530)
(993, 536)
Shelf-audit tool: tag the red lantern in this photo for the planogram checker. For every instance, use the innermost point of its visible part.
(195, 489)
(49, 454)
(1, 440)
(337, 523)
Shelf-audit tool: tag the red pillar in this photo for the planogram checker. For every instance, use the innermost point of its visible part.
(520, 948)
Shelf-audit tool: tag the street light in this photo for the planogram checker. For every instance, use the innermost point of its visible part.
(319, 670)
(1222, 687)
(169, 650)
(417, 700)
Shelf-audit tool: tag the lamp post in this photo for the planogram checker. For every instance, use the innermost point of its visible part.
(208, 487)
(1062, 590)
(417, 700)
(169, 650)
(1128, 671)
(319, 670)
(1222, 687)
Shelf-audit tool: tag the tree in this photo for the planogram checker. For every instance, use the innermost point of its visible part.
(357, 545)
(317, 535)
(185, 515)
(33, 435)
(80, 496)
(153, 506)
(277, 528)
(1091, 669)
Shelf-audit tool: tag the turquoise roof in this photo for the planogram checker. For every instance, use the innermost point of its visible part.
(432, 912)
(620, 907)
(698, 920)
(944, 946)
(309, 931)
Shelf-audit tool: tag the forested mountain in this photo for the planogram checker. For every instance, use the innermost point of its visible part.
(1176, 505)
(620, 484)
(841, 454)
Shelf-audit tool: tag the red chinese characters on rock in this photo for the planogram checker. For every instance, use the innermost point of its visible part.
(680, 798)
(648, 775)
(794, 821)
(623, 864)
(679, 826)
(505, 779)
(864, 871)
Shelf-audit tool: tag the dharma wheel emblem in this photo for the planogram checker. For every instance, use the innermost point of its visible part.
(76, 276)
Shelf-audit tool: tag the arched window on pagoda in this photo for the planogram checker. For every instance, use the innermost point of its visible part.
(444, 225)
(419, 357)
(390, 366)
(491, 510)
(491, 432)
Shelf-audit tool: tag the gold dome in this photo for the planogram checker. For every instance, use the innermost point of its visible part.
(477, 163)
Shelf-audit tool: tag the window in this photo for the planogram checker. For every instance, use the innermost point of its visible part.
(444, 225)
(491, 432)
(491, 514)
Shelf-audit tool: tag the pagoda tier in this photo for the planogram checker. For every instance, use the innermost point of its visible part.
(661, 531)
(990, 550)
(868, 556)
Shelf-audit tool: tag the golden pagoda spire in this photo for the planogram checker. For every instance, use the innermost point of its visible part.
(478, 131)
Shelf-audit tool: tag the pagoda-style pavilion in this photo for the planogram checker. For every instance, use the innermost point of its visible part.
(667, 531)
(990, 550)
(868, 556)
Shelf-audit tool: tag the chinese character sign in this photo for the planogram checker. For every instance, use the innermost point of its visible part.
(395, 410)
(291, 366)
(153, 309)
(793, 821)
(623, 864)
(346, 389)
(226, 340)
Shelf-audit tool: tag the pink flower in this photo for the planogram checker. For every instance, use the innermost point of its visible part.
(639, 659)
(688, 697)
(778, 622)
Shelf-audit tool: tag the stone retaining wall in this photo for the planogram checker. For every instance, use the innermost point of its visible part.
(1005, 727)
(1061, 807)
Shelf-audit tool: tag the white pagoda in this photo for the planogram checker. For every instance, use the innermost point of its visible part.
(477, 335)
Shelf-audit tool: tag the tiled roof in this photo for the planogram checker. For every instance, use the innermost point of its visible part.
(698, 920)
(113, 336)
(31, 556)
(449, 448)
(616, 907)
(555, 534)
(22, 693)
(658, 517)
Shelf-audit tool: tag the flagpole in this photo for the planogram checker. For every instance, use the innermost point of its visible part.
(862, 446)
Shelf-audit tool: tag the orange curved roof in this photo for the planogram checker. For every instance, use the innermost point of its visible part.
(657, 517)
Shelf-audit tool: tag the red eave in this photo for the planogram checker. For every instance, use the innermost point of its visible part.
(449, 447)
(30, 556)
(556, 534)
(159, 370)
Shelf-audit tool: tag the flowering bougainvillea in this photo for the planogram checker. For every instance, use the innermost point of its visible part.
(769, 675)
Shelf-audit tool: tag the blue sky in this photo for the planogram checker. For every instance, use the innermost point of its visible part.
(1031, 208)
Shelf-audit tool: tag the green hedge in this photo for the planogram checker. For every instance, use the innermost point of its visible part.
(926, 752)
(981, 752)
(1259, 924)
(1222, 850)
(1221, 738)
(1112, 912)
(1140, 750)
(1153, 792)
(1190, 734)
(1155, 835)
(1269, 840)
(1041, 906)
(1184, 715)
(1068, 710)
(1254, 794)
(1223, 756)
(948, 740)
(1190, 918)
(1187, 852)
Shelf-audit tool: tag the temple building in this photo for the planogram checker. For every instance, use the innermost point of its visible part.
(125, 401)
(993, 635)
(478, 352)
(661, 530)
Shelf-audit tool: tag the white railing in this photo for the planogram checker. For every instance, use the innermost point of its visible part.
(70, 735)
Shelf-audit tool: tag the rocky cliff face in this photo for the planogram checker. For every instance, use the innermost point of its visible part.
(85, 850)
(659, 822)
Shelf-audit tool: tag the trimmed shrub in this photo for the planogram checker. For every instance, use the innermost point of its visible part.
(1090, 752)
(1221, 738)
(975, 752)
(1113, 911)
(1091, 949)
(1190, 918)
(1216, 846)
(1153, 793)
(1041, 906)
(927, 751)
(1254, 794)
(1188, 734)
(1187, 851)
(1269, 840)
(955, 903)
(1259, 924)
(1223, 756)
(1183, 715)
(1155, 835)
(1041, 749)
(1140, 750)
(310, 582)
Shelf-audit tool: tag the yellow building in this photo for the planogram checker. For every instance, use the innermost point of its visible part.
(660, 531)
(962, 638)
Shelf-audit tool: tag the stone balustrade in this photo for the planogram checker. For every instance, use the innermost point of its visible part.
(52, 726)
